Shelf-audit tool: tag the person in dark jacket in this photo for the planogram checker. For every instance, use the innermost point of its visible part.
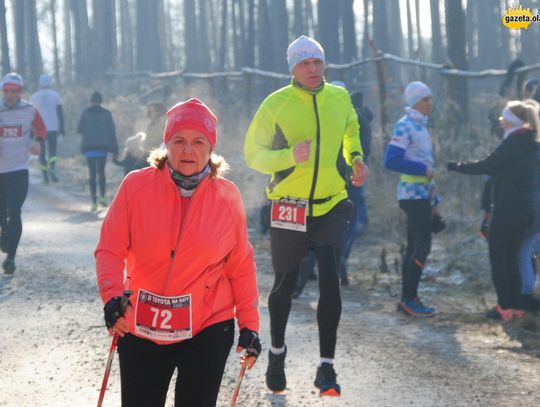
(96, 126)
(359, 220)
(512, 166)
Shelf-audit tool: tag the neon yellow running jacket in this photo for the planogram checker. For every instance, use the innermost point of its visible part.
(290, 116)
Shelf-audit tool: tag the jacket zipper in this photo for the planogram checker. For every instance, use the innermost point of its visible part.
(180, 235)
(317, 156)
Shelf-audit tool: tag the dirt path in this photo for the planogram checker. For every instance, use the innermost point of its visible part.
(53, 346)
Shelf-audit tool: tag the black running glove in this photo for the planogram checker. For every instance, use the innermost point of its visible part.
(249, 340)
(113, 310)
(452, 166)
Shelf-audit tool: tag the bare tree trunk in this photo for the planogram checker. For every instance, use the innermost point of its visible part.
(529, 37)
(348, 30)
(84, 48)
(126, 48)
(410, 35)
(380, 26)
(264, 37)
(328, 18)
(310, 29)
(56, 60)
(504, 37)
(457, 53)
(487, 34)
(34, 49)
(203, 41)
(299, 25)
(164, 37)
(280, 30)
(437, 51)
(104, 25)
(20, 37)
(149, 49)
(471, 26)
(190, 36)
(68, 55)
(249, 52)
(395, 33)
(418, 29)
(365, 39)
(240, 33)
(6, 62)
(222, 59)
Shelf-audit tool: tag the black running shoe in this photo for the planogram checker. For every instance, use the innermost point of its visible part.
(8, 266)
(325, 380)
(275, 373)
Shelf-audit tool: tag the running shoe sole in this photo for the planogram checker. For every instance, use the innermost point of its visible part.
(330, 393)
(407, 311)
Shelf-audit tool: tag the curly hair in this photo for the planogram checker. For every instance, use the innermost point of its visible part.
(218, 165)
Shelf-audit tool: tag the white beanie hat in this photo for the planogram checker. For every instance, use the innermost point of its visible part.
(12, 81)
(44, 80)
(415, 92)
(303, 48)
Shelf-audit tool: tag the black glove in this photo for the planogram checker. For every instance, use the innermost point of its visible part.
(114, 310)
(452, 166)
(437, 224)
(249, 340)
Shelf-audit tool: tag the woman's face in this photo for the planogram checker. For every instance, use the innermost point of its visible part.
(188, 151)
(425, 105)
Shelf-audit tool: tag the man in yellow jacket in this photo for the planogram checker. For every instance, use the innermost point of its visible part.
(305, 135)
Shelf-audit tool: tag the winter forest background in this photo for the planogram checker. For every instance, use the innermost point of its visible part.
(232, 53)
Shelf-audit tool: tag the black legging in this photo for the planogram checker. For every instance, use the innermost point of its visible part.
(96, 169)
(13, 191)
(418, 245)
(146, 368)
(328, 309)
(505, 238)
(50, 142)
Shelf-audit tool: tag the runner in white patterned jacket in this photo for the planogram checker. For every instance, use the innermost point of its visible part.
(20, 122)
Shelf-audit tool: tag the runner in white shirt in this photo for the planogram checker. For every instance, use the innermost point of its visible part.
(18, 119)
(49, 104)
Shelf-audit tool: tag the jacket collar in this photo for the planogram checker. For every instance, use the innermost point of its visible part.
(416, 115)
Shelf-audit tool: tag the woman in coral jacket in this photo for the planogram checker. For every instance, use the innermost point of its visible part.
(179, 229)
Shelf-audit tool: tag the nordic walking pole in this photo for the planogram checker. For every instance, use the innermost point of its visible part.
(239, 381)
(114, 343)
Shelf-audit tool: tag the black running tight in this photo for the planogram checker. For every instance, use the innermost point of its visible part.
(418, 245)
(96, 169)
(13, 191)
(328, 309)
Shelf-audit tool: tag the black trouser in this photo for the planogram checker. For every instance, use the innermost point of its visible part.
(50, 142)
(418, 245)
(328, 309)
(96, 169)
(13, 191)
(505, 238)
(146, 368)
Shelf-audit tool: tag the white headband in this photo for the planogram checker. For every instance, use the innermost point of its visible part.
(511, 118)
